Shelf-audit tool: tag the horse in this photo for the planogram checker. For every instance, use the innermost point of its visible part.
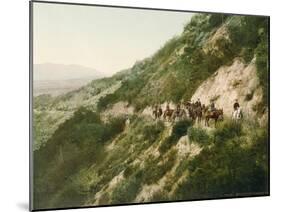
(179, 114)
(237, 114)
(205, 109)
(168, 114)
(182, 114)
(191, 111)
(157, 112)
(216, 114)
(188, 104)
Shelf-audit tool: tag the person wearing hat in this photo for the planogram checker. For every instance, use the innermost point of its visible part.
(198, 103)
(236, 105)
(127, 122)
(167, 107)
(178, 109)
(237, 113)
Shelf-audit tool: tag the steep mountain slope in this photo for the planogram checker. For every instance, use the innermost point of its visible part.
(82, 158)
(208, 42)
(237, 81)
(88, 162)
(50, 112)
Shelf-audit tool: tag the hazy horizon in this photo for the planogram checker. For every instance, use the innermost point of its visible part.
(102, 38)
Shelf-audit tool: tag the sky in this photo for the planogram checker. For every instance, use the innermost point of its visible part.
(102, 38)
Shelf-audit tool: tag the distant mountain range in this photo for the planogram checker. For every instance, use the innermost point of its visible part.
(51, 71)
(56, 79)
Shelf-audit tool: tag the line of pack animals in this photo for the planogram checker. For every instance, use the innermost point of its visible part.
(195, 111)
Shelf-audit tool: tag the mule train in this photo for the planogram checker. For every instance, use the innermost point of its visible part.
(195, 111)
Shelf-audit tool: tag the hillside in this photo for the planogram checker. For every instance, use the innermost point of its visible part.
(208, 43)
(50, 112)
(86, 153)
(236, 81)
(92, 163)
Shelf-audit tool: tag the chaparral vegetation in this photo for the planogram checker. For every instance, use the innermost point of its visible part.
(189, 122)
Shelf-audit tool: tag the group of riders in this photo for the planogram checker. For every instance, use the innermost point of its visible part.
(195, 111)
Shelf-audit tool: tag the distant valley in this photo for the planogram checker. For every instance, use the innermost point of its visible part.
(57, 79)
(58, 87)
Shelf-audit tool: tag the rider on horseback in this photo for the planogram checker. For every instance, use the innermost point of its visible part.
(212, 106)
(157, 111)
(198, 103)
(167, 107)
(160, 110)
(155, 107)
(178, 109)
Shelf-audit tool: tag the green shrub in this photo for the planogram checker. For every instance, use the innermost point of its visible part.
(166, 50)
(198, 135)
(154, 171)
(131, 169)
(152, 132)
(227, 130)
(216, 20)
(114, 126)
(247, 54)
(228, 168)
(105, 101)
(179, 130)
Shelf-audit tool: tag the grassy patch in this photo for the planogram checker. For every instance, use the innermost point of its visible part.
(227, 130)
(155, 169)
(198, 135)
(77, 144)
(152, 132)
(127, 190)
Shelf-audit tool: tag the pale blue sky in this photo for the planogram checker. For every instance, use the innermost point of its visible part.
(106, 39)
